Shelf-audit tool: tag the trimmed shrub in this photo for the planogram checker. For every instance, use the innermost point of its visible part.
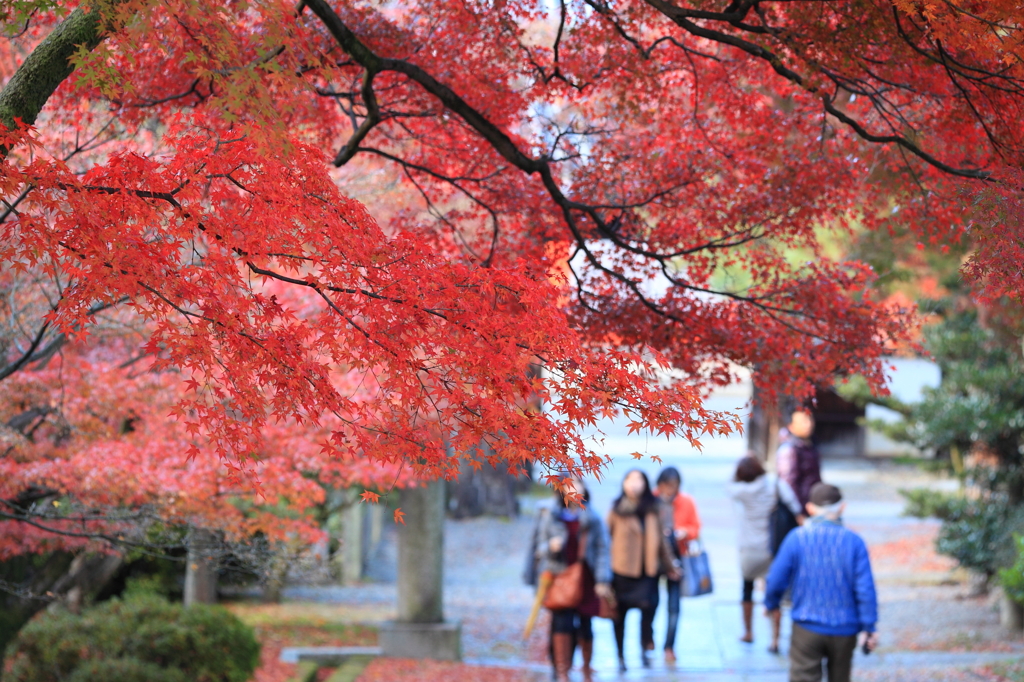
(924, 503)
(977, 532)
(124, 670)
(974, 532)
(141, 634)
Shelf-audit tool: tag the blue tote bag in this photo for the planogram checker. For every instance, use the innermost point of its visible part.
(696, 571)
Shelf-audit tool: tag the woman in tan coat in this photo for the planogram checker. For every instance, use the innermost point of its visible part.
(639, 553)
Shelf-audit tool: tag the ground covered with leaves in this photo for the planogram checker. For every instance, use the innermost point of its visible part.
(405, 670)
(299, 624)
(925, 602)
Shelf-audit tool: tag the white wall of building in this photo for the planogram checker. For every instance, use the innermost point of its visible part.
(906, 384)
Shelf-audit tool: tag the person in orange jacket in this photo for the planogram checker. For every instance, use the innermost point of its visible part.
(682, 524)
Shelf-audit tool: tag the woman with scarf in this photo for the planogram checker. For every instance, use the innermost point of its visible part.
(567, 532)
(639, 550)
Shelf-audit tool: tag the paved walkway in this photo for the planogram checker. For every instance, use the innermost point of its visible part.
(929, 629)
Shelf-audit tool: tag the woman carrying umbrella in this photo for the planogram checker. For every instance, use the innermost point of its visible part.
(570, 533)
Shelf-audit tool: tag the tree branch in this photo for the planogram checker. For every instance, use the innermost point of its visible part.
(348, 41)
(681, 17)
(46, 68)
(27, 355)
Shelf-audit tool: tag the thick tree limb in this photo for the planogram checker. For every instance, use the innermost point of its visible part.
(47, 67)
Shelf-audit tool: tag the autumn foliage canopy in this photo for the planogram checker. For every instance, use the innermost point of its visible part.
(260, 244)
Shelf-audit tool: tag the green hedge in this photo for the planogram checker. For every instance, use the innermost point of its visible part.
(924, 503)
(140, 639)
(124, 670)
(976, 531)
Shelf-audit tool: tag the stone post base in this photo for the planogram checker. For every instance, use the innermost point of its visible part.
(439, 641)
(1011, 614)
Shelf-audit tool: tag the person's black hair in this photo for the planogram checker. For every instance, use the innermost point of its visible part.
(648, 502)
(749, 470)
(670, 475)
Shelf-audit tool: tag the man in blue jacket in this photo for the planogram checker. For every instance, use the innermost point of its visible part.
(834, 600)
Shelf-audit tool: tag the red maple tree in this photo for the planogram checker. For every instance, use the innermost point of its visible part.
(367, 224)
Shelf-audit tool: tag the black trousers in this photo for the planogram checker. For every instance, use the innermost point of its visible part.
(808, 650)
(572, 622)
(646, 625)
(635, 593)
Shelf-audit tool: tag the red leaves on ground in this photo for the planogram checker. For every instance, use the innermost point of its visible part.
(407, 670)
(913, 554)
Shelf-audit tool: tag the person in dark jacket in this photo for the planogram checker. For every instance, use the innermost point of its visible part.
(797, 460)
(829, 571)
(562, 533)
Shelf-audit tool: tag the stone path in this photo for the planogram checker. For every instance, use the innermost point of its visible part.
(929, 629)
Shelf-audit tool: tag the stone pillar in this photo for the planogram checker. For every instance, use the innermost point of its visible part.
(373, 531)
(351, 559)
(276, 574)
(420, 630)
(421, 555)
(201, 568)
(1011, 614)
(347, 526)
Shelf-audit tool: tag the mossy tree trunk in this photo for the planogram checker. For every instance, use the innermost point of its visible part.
(47, 67)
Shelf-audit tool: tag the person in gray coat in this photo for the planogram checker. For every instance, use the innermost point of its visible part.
(561, 534)
(758, 493)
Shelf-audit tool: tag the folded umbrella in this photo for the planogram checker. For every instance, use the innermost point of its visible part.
(543, 583)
